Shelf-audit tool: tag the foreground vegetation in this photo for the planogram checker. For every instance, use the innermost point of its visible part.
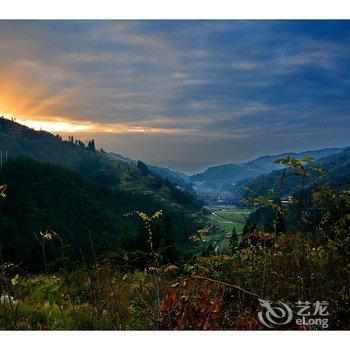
(216, 292)
(308, 262)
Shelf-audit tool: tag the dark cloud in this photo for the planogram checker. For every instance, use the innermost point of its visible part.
(256, 86)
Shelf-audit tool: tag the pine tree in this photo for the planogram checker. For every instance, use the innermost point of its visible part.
(91, 145)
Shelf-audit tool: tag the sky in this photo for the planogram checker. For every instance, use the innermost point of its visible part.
(184, 94)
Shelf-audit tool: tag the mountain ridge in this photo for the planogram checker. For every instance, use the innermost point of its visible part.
(220, 180)
(336, 169)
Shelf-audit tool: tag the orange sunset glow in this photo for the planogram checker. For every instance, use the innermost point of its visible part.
(32, 104)
(37, 113)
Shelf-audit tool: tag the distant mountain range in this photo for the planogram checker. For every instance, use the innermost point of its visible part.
(221, 180)
(226, 181)
(336, 167)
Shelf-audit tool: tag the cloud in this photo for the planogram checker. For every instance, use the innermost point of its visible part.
(222, 80)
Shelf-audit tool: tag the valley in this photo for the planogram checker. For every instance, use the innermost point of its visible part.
(96, 240)
(223, 218)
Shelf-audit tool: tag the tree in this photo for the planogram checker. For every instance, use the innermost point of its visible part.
(91, 145)
(104, 244)
(279, 225)
(142, 167)
(233, 240)
(157, 182)
(249, 231)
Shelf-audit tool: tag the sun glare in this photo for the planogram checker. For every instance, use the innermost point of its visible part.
(67, 125)
(74, 126)
(36, 115)
(6, 115)
(55, 126)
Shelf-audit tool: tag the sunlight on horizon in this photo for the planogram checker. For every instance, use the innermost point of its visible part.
(54, 126)
(38, 113)
(73, 126)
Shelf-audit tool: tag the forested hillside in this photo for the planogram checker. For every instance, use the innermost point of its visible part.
(176, 177)
(42, 196)
(82, 194)
(109, 242)
(92, 164)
